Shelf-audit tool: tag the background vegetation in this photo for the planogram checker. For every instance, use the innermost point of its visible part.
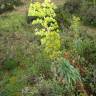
(26, 69)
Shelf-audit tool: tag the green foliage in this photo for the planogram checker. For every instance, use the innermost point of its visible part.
(12, 90)
(50, 38)
(26, 60)
(87, 12)
(43, 64)
(12, 23)
(8, 5)
(89, 16)
(72, 6)
(75, 26)
(52, 44)
(90, 52)
(83, 8)
(10, 64)
(65, 72)
(63, 18)
(78, 44)
(47, 88)
(89, 55)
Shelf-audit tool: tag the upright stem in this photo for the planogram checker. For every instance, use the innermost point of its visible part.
(94, 3)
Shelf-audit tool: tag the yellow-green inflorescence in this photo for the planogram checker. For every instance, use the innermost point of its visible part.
(49, 30)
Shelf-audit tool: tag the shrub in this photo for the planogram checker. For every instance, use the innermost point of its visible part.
(48, 88)
(72, 6)
(13, 87)
(63, 18)
(8, 4)
(89, 16)
(90, 57)
(43, 64)
(90, 79)
(65, 73)
(90, 52)
(10, 63)
(48, 32)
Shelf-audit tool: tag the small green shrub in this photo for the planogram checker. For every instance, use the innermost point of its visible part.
(43, 64)
(12, 88)
(90, 79)
(72, 6)
(90, 52)
(63, 18)
(65, 73)
(10, 63)
(88, 13)
(89, 16)
(8, 4)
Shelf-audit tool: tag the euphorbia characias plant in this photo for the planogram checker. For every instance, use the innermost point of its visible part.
(49, 30)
